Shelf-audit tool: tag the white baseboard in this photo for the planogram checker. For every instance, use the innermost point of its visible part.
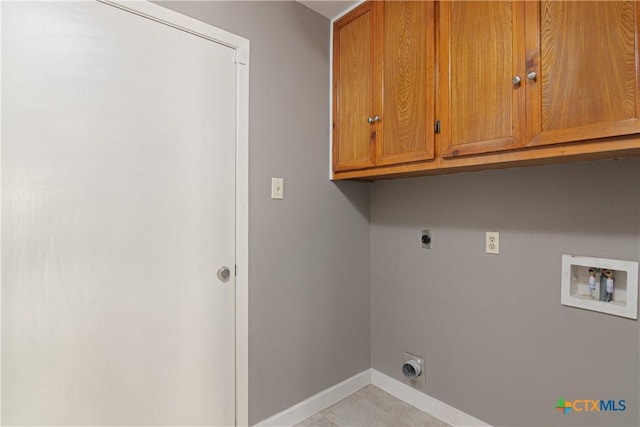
(318, 402)
(413, 397)
(424, 402)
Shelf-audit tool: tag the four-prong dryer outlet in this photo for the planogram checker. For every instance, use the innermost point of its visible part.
(425, 239)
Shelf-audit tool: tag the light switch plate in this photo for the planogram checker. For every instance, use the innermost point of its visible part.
(277, 188)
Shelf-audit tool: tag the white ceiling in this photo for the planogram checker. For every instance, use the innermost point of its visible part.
(329, 8)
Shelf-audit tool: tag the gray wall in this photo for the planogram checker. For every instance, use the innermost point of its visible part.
(309, 296)
(498, 344)
(497, 341)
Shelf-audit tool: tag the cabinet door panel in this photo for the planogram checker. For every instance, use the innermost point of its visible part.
(408, 69)
(354, 79)
(482, 49)
(587, 85)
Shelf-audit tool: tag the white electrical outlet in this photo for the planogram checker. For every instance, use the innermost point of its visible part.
(277, 188)
(493, 242)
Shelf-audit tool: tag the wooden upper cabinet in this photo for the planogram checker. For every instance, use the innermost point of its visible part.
(354, 88)
(504, 83)
(407, 97)
(384, 85)
(584, 55)
(481, 96)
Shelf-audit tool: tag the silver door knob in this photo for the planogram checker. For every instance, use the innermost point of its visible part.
(532, 75)
(516, 80)
(224, 273)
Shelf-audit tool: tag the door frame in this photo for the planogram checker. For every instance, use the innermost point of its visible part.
(197, 28)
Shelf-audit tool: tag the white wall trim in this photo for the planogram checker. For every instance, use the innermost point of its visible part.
(424, 402)
(318, 402)
(242, 240)
(1, 6)
(328, 397)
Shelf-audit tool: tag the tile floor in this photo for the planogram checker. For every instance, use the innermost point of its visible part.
(371, 406)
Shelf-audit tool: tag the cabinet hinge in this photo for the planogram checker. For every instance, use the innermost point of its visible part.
(437, 127)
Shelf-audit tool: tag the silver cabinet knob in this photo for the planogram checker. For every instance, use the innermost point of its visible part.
(374, 119)
(532, 75)
(370, 120)
(224, 273)
(516, 80)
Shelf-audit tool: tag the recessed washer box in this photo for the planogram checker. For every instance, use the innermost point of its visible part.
(577, 292)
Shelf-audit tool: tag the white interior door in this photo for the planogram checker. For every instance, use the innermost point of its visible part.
(118, 187)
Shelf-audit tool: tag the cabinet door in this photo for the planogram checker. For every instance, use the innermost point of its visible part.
(353, 89)
(584, 54)
(407, 66)
(482, 50)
